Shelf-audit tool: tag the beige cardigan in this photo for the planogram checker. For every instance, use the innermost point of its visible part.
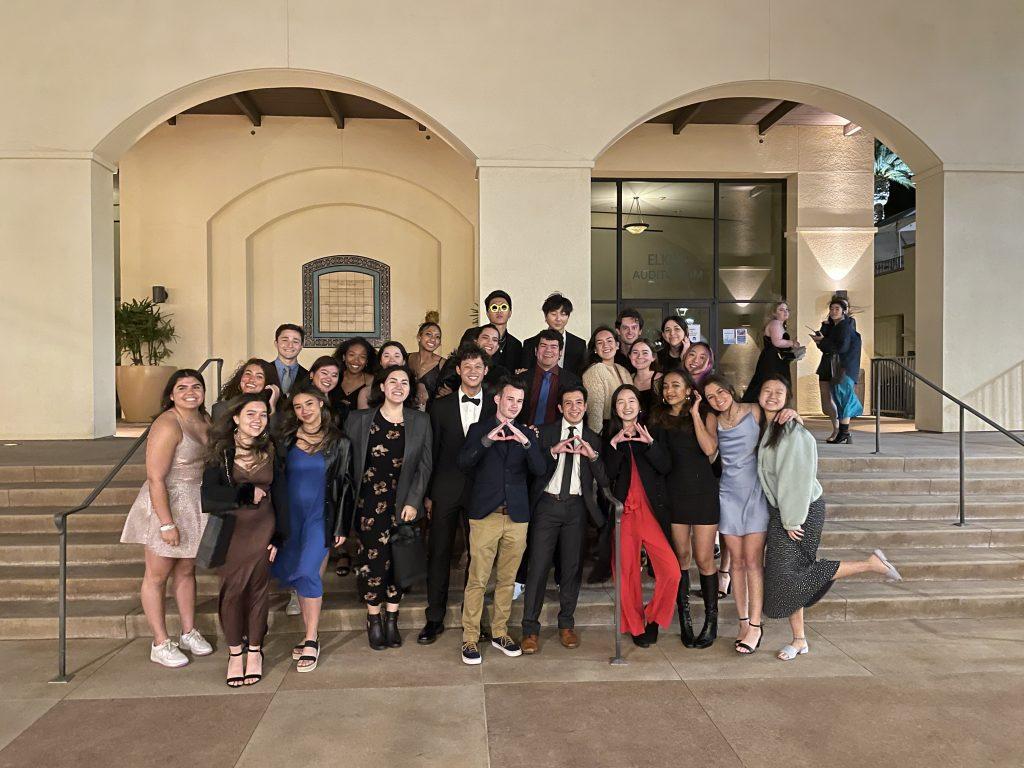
(601, 382)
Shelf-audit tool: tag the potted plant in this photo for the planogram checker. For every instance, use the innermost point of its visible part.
(143, 336)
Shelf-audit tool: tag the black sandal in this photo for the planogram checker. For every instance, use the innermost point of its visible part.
(235, 682)
(344, 564)
(254, 677)
(728, 590)
(747, 650)
(315, 644)
(741, 618)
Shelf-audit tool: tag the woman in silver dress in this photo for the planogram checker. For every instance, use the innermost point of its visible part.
(167, 516)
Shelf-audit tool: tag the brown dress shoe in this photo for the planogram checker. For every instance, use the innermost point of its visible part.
(569, 638)
(529, 644)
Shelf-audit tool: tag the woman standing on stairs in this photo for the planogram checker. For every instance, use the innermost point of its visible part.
(392, 459)
(787, 465)
(692, 442)
(243, 479)
(167, 515)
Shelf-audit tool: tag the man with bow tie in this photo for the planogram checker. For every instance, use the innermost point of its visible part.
(448, 496)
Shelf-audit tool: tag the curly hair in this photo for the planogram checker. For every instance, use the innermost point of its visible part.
(233, 387)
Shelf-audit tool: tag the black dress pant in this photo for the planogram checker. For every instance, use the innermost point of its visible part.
(556, 526)
(445, 521)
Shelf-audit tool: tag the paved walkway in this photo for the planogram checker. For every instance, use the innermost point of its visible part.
(897, 693)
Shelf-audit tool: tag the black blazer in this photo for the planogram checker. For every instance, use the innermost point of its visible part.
(416, 465)
(338, 499)
(566, 378)
(575, 353)
(592, 473)
(449, 484)
(500, 470)
(221, 495)
(653, 462)
(510, 352)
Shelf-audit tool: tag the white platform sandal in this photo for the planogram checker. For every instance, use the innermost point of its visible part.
(789, 652)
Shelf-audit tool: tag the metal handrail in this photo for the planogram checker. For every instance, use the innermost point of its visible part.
(60, 519)
(964, 408)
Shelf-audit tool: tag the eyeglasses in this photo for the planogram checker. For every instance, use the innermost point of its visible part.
(503, 307)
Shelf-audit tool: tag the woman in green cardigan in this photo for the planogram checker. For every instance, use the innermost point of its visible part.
(787, 464)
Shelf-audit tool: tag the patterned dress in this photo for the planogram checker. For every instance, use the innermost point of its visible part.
(375, 512)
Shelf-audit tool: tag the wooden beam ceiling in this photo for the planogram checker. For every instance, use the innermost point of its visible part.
(245, 103)
(333, 108)
(685, 117)
(780, 111)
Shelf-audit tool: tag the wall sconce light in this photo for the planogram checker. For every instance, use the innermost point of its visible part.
(159, 294)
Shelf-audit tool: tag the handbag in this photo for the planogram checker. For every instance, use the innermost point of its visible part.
(408, 556)
(213, 547)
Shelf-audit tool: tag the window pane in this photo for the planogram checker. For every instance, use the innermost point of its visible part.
(674, 257)
(738, 361)
(602, 314)
(602, 241)
(750, 250)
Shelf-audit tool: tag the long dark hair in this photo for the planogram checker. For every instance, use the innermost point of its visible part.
(233, 387)
(655, 364)
(371, 354)
(391, 343)
(700, 377)
(614, 422)
(592, 356)
(772, 427)
(290, 423)
(661, 412)
(222, 433)
(182, 373)
(377, 396)
(723, 382)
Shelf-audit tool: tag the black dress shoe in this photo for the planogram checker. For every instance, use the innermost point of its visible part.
(599, 576)
(430, 632)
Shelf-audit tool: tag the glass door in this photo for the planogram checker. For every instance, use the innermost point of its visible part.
(696, 315)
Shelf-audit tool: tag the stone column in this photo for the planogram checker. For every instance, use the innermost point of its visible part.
(535, 238)
(57, 297)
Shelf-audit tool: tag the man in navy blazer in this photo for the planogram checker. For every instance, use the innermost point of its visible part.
(500, 454)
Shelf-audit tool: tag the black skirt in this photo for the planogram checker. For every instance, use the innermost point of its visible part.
(793, 576)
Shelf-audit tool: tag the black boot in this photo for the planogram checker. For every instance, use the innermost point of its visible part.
(709, 591)
(391, 636)
(375, 632)
(683, 606)
(651, 633)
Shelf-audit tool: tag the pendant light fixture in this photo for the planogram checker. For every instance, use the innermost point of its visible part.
(638, 225)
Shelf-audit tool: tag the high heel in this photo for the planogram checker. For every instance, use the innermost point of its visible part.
(728, 590)
(683, 606)
(747, 649)
(375, 632)
(254, 677)
(843, 437)
(344, 564)
(391, 636)
(235, 682)
(741, 618)
(709, 591)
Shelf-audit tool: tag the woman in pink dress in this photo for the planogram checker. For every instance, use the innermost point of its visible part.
(167, 515)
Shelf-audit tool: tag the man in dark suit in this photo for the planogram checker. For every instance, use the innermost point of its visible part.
(288, 339)
(561, 499)
(629, 324)
(544, 377)
(501, 453)
(557, 309)
(448, 498)
(498, 306)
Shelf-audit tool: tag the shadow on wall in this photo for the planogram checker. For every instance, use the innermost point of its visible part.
(1001, 399)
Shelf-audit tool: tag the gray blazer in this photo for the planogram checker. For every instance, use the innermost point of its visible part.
(417, 463)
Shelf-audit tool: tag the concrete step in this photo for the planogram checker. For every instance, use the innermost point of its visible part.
(926, 534)
(923, 506)
(40, 519)
(71, 473)
(904, 483)
(916, 564)
(920, 464)
(83, 548)
(846, 601)
(66, 494)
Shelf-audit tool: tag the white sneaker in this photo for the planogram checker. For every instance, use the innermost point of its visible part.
(293, 609)
(195, 643)
(167, 654)
(518, 590)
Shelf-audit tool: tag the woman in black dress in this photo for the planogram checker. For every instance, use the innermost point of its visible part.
(692, 496)
(359, 361)
(425, 362)
(778, 351)
(675, 340)
(392, 456)
(646, 377)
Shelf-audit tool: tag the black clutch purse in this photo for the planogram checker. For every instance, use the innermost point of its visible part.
(213, 547)
(409, 556)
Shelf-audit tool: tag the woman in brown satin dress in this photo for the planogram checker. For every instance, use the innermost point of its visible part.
(238, 481)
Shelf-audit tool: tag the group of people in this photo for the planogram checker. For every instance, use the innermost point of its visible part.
(524, 446)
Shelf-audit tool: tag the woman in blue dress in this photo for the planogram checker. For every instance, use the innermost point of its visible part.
(743, 522)
(316, 461)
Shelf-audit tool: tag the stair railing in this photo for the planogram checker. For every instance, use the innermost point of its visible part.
(877, 363)
(60, 519)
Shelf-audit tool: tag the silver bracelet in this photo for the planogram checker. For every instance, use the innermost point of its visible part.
(167, 527)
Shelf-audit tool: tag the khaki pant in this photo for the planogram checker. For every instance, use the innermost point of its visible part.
(495, 536)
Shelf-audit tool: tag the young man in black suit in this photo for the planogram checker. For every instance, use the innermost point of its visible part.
(557, 309)
(288, 340)
(501, 453)
(498, 306)
(629, 324)
(561, 499)
(448, 498)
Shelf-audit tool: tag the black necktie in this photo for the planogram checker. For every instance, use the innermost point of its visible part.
(563, 491)
(468, 399)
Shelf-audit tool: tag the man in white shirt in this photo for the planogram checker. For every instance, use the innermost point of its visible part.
(561, 500)
(451, 417)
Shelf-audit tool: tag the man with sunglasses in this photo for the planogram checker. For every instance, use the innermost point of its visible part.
(498, 306)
